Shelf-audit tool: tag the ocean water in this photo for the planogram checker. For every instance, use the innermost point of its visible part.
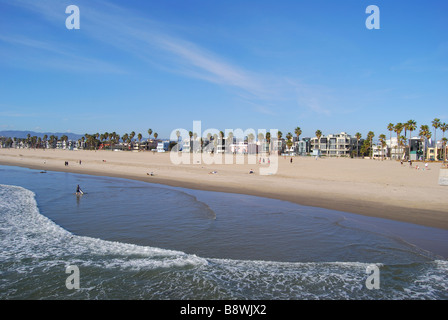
(136, 240)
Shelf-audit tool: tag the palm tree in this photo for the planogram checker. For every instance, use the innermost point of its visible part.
(436, 124)
(268, 141)
(370, 136)
(406, 128)
(112, 137)
(190, 134)
(444, 127)
(139, 137)
(230, 137)
(382, 138)
(424, 133)
(44, 140)
(298, 132)
(289, 142)
(149, 133)
(402, 141)
(390, 127)
(64, 138)
(268, 137)
(125, 138)
(117, 139)
(318, 135)
(398, 128)
(358, 137)
(444, 149)
(428, 135)
(412, 125)
(156, 135)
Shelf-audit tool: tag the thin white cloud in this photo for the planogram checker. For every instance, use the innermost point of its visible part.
(148, 41)
(55, 57)
(315, 99)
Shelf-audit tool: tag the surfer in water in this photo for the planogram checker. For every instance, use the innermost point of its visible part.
(78, 190)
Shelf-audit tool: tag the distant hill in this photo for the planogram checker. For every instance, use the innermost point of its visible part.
(23, 134)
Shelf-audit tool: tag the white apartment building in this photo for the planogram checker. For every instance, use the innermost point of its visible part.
(337, 145)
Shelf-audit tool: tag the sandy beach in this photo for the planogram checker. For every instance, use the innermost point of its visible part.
(384, 189)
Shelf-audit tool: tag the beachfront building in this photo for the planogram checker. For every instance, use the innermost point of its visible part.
(336, 145)
(396, 151)
(67, 144)
(413, 150)
(262, 146)
(440, 152)
(186, 145)
(252, 147)
(240, 147)
(278, 145)
(379, 152)
(431, 154)
(163, 146)
(416, 146)
(435, 151)
(221, 146)
(303, 146)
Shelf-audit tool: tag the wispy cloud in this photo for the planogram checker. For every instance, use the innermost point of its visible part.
(54, 56)
(16, 114)
(146, 39)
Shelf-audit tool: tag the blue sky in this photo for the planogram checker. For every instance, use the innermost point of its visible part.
(231, 64)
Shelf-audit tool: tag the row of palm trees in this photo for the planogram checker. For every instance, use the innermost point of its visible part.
(34, 141)
(402, 140)
(93, 141)
(424, 133)
(109, 139)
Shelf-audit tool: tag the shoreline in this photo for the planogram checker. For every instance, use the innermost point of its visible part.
(353, 193)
